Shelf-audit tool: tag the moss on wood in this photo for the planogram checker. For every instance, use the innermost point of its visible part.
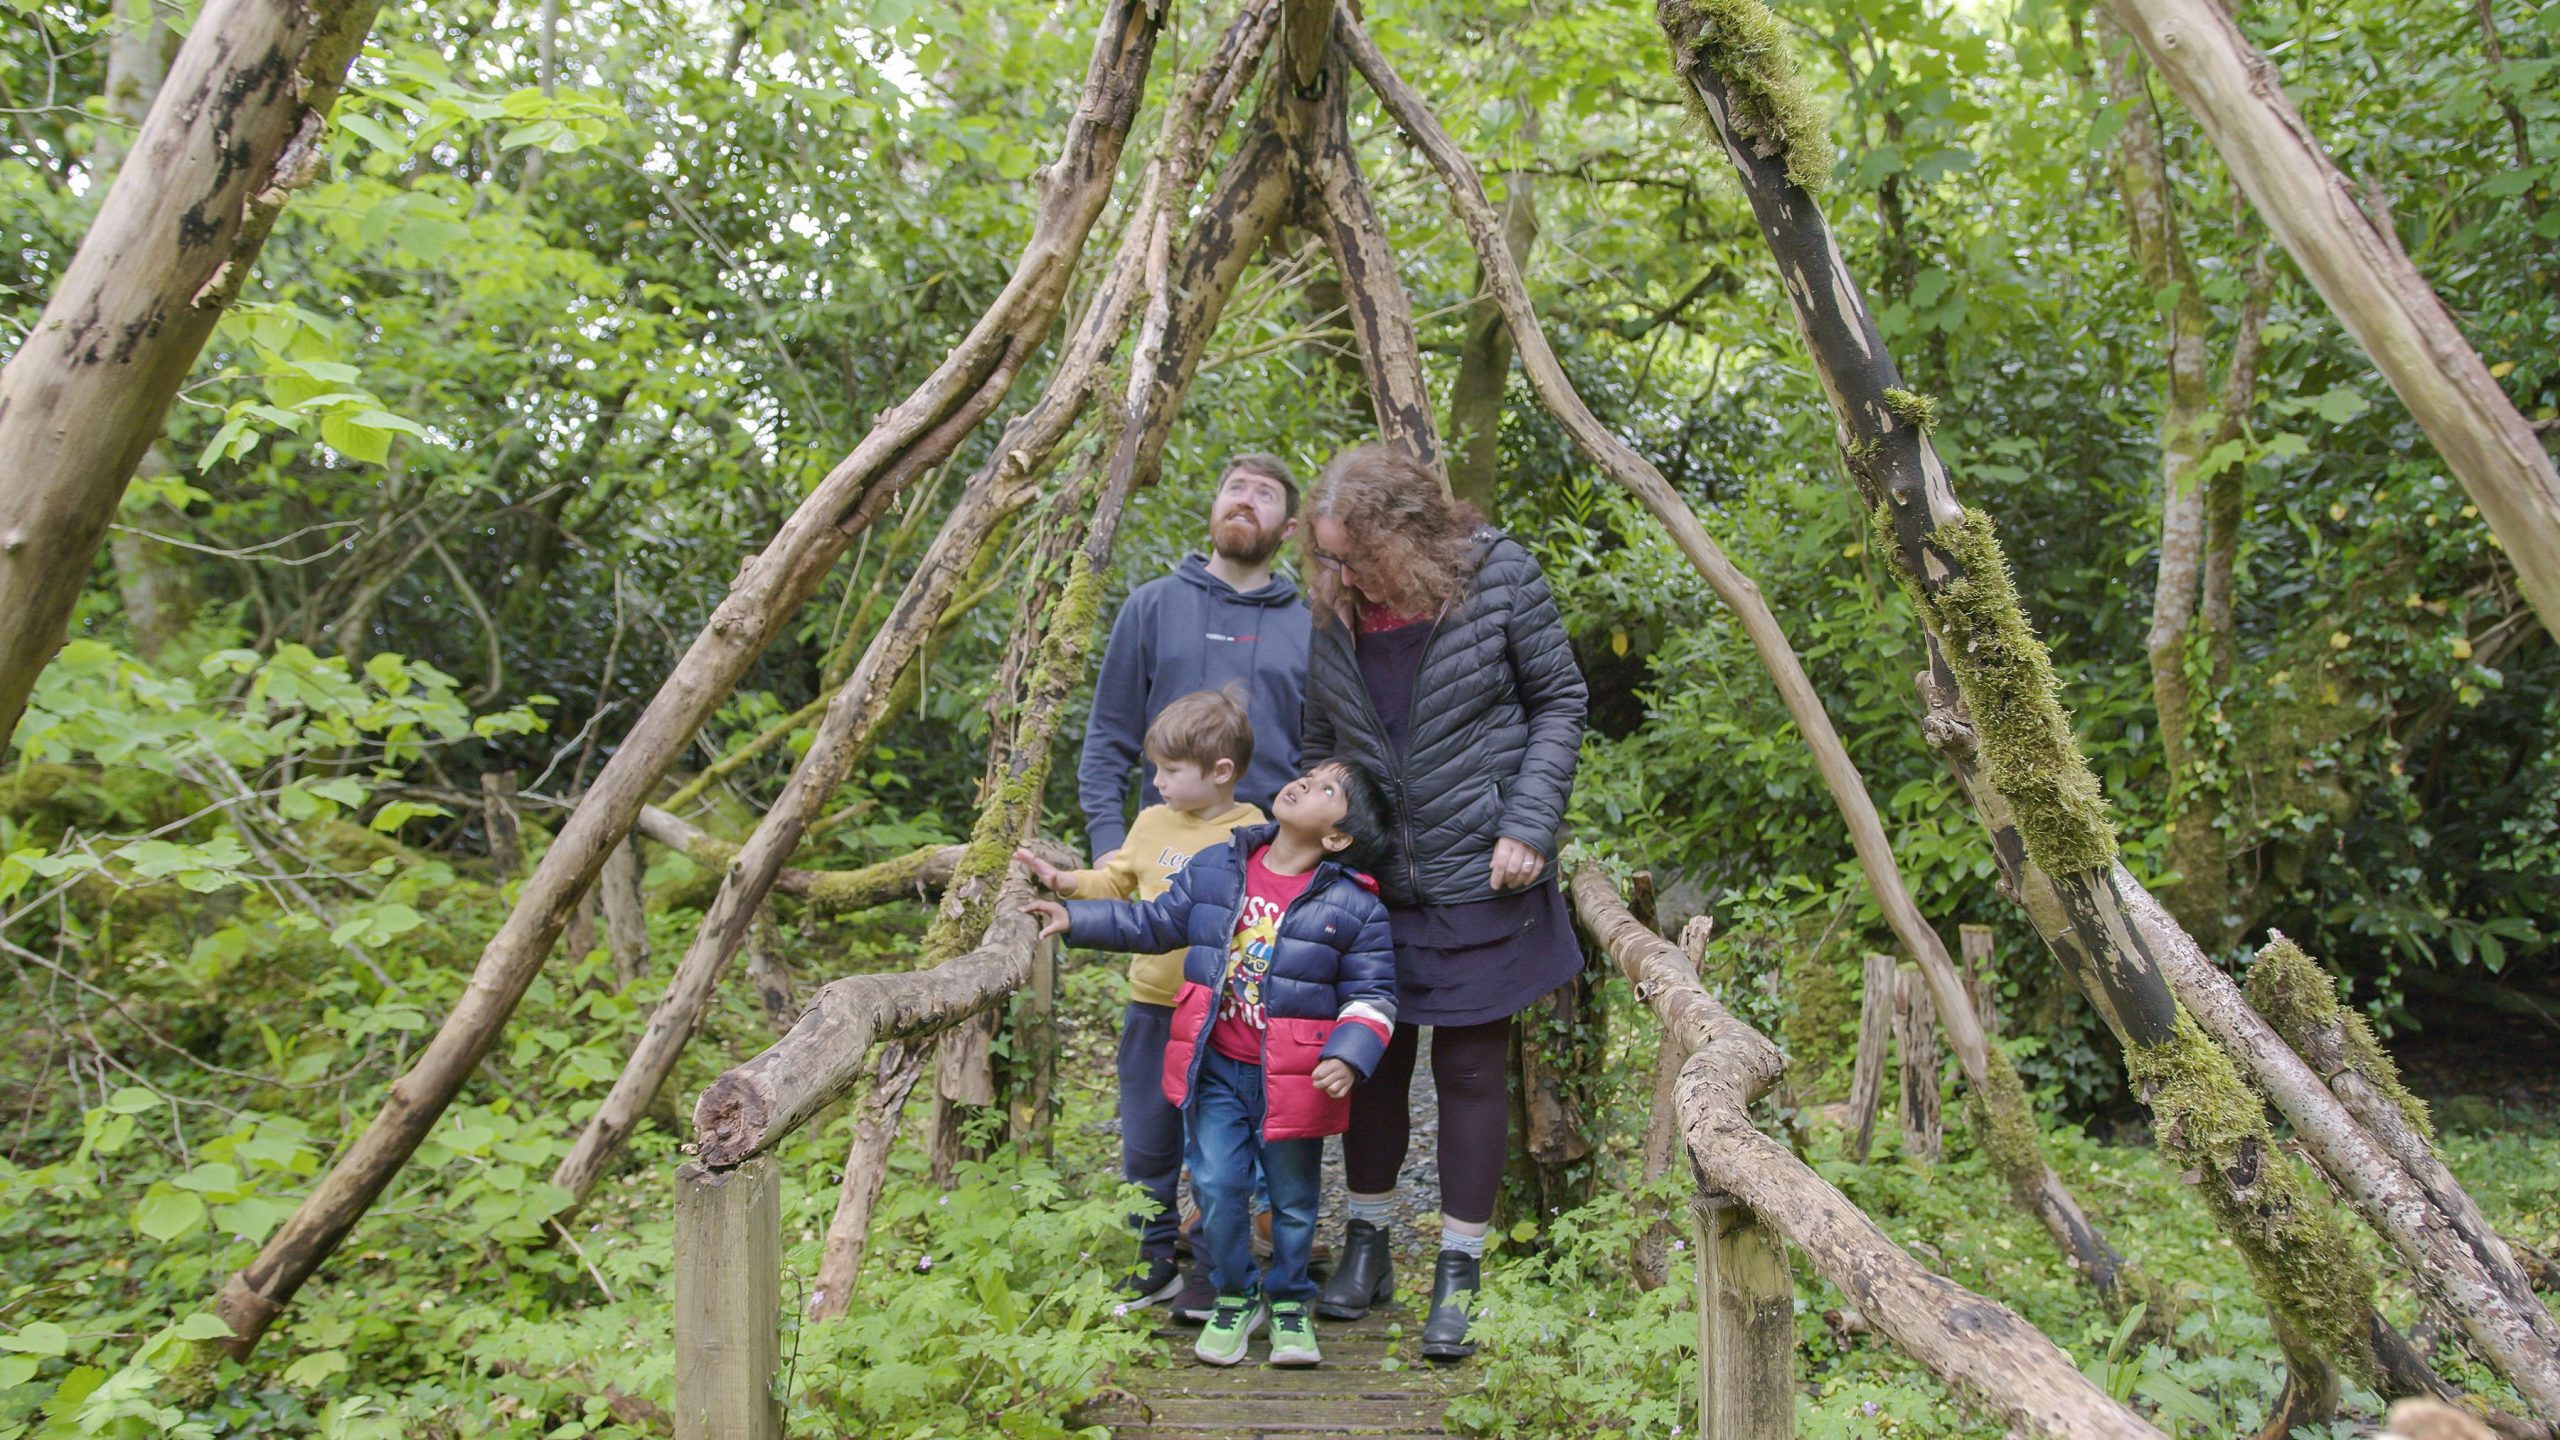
(2297, 997)
(2305, 1268)
(838, 890)
(1912, 408)
(1773, 111)
(2028, 752)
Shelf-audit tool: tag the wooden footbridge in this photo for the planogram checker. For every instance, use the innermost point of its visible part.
(1754, 1198)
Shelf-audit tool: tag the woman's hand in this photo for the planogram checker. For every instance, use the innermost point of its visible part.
(1515, 864)
(1053, 917)
(1335, 1077)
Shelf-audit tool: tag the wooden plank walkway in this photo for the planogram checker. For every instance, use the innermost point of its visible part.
(1373, 1383)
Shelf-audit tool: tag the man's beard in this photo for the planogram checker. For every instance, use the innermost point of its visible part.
(1255, 550)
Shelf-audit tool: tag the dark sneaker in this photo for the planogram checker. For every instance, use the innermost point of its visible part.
(1229, 1333)
(1154, 1280)
(1293, 1335)
(1197, 1297)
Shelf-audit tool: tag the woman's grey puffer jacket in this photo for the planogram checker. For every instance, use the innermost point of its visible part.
(1491, 744)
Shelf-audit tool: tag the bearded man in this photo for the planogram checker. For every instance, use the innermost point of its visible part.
(1218, 620)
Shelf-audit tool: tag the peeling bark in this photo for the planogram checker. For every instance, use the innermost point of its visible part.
(234, 131)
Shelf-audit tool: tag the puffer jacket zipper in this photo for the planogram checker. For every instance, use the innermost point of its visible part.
(1324, 873)
(1378, 727)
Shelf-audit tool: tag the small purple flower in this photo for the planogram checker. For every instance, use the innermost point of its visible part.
(1868, 1409)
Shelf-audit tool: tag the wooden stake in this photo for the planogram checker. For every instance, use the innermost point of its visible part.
(1035, 1045)
(728, 1301)
(1981, 981)
(1746, 1325)
(1916, 1036)
(498, 816)
(866, 1166)
(1875, 1034)
(626, 916)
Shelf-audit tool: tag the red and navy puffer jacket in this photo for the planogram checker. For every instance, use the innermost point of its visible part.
(1330, 993)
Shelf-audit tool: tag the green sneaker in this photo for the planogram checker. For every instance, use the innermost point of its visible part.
(1222, 1341)
(1293, 1335)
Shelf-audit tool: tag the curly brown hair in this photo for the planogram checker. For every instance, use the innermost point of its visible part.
(1416, 545)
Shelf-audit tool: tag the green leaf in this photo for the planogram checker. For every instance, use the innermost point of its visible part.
(38, 1337)
(313, 1370)
(166, 1214)
(202, 1325)
(132, 1100)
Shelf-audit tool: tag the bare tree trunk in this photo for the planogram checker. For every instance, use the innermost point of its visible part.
(505, 827)
(909, 439)
(2019, 1154)
(235, 130)
(2151, 223)
(1484, 361)
(2356, 263)
(769, 975)
(1981, 979)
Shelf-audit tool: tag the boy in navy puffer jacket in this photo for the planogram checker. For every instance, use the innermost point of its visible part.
(1288, 998)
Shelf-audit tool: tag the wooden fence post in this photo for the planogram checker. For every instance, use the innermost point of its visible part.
(1981, 982)
(1875, 1032)
(1035, 1032)
(728, 1294)
(1746, 1324)
(1916, 1023)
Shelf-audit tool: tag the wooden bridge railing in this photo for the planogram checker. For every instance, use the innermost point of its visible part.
(728, 1202)
(1754, 1193)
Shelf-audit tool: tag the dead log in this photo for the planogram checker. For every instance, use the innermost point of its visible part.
(2354, 259)
(2021, 1160)
(866, 1165)
(749, 1109)
(911, 876)
(1977, 1346)
(769, 975)
(1876, 996)
(1915, 1026)
(235, 129)
(909, 439)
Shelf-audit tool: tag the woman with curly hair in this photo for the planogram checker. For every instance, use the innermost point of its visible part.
(1439, 663)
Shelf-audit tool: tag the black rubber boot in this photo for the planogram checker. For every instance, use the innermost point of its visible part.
(1453, 1293)
(1366, 1275)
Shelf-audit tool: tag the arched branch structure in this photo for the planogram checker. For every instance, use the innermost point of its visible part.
(2126, 955)
(909, 439)
(1003, 486)
(2014, 1146)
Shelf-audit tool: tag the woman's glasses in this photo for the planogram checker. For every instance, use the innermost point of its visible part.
(1331, 561)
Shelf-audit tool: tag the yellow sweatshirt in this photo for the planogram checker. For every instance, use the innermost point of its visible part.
(1161, 841)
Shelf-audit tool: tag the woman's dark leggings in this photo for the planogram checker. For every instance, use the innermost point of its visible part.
(1471, 1067)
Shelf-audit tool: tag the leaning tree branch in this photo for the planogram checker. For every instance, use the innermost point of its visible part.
(910, 438)
(2020, 1154)
(236, 128)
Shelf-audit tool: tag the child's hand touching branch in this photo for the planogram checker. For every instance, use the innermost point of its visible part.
(1053, 916)
(1335, 1077)
(1041, 870)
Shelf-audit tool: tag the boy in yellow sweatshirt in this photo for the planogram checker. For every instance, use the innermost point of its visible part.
(1199, 745)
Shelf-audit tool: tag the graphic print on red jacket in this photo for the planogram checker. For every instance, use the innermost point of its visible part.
(1267, 896)
(1327, 992)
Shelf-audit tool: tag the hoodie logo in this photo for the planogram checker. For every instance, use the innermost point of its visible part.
(1231, 639)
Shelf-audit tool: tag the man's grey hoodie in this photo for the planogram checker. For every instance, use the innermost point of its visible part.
(1191, 631)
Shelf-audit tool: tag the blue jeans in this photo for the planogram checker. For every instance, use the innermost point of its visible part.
(1151, 1151)
(1224, 1121)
